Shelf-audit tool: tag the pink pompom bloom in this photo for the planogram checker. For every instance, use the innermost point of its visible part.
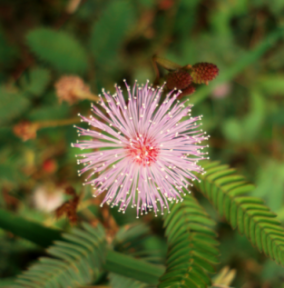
(143, 152)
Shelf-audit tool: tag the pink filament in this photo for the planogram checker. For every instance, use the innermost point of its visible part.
(142, 152)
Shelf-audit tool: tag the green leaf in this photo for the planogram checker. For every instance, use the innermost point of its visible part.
(59, 49)
(36, 81)
(6, 282)
(246, 213)
(253, 121)
(48, 112)
(192, 252)
(77, 261)
(109, 31)
(8, 52)
(10, 172)
(246, 129)
(270, 174)
(12, 104)
(32, 231)
(271, 83)
(232, 130)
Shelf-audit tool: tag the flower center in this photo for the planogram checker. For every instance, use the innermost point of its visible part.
(142, 150)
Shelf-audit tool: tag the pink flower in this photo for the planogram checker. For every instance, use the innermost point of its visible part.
(143, 152)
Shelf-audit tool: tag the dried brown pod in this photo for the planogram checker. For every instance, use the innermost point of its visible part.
(71, 89)
(179, 79)
(25, 130)
(69, 208)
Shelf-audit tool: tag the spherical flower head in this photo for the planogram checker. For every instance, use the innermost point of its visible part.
(143, 151)
(70, 89)
(204, 72)
(26, 130)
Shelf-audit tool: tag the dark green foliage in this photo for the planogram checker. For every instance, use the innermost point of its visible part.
(82, 249)
(138, 241)
(109, 30)
(12, 104)
(118, 263)
(246, 129)
(43, 113)
(192, 252)
(8, 173)
(59, 49)
(117, 281)
(247, 59)
(34, 232)
(7, 51)
(131, 267)
(131, 240)
(126, 241)
(227, 192)
(187, 14)
(35, 81)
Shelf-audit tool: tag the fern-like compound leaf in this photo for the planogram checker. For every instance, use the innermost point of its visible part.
(192, 252)
(227, 191)
(59, 49)
(74, 262)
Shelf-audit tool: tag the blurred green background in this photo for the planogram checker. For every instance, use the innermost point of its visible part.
(104, 42)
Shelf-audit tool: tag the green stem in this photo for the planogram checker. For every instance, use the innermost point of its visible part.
(55, 123)
(87, 95)
(130, 267)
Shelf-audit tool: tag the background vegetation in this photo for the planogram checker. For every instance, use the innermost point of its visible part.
(104, 42)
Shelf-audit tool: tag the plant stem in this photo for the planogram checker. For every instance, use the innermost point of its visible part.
(86, 95)
(55, 123)
(92, 97)
(133, 268)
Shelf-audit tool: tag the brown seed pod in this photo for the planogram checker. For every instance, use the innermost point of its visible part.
(25, 130)
(187, 91)
(203, 72)
(179, 79)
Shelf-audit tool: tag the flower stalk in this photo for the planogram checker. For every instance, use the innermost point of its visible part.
(27, 130)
